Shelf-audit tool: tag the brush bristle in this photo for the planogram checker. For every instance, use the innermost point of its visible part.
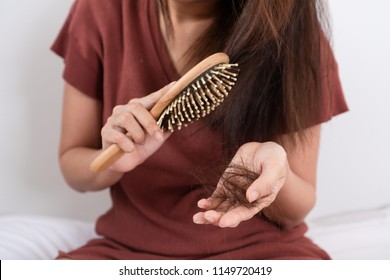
(200, 97)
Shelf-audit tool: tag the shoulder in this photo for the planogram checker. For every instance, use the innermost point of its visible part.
(94, 12)
(103, 9)
(102, 16)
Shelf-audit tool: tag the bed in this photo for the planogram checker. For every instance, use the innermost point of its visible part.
(354, 235)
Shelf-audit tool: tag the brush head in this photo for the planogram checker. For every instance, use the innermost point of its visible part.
(199, 98)
(193, 96)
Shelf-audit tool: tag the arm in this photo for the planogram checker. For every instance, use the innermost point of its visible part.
(297, 197)
(284, 191)
(82, 137)
(80, 142)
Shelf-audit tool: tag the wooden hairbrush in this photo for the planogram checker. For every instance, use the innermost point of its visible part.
(193, 96)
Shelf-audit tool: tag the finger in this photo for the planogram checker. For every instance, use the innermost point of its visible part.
(113, 136)
(210, 203)
(135, 119)
(131, 127)
(198, 218)
(150, 100)
(237, 215)
(137, 109)
(145, 120)
(218, 196)
(210, 217)
(265, 185)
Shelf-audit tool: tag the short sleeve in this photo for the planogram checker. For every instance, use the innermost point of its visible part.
(79, 44)
(332, 97)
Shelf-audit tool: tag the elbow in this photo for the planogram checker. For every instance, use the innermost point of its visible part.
(68, 176)
(72, 183)
(288, 224)
(296, 220)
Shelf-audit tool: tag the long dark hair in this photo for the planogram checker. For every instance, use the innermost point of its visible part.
(278, 45)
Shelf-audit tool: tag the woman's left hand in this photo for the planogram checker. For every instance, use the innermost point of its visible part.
(267, 159)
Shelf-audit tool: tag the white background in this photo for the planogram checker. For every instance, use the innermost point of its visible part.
(354, 162)
(200, 269)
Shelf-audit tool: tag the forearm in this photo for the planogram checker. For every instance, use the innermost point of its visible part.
(75, 166)
(293, 203)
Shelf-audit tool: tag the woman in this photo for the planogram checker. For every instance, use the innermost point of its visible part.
(116, 51)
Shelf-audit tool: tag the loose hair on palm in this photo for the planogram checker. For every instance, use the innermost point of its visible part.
(233, 184)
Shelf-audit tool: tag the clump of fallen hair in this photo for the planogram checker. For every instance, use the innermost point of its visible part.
(234, 181)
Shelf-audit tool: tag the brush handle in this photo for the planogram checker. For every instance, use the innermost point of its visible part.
(107, 158)
(110, 155)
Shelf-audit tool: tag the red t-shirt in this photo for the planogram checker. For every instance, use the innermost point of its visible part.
(113, 51)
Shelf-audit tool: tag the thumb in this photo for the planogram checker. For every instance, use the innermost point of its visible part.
(150, 100)
(268, 184)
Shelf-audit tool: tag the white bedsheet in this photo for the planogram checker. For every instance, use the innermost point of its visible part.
(355, 235)
(363, 235)
(40, 237)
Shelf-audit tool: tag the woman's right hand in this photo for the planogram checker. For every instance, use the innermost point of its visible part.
(144, 136)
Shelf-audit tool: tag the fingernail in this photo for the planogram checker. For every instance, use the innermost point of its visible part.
(202, 203)
(252, 196)
(197, 221)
